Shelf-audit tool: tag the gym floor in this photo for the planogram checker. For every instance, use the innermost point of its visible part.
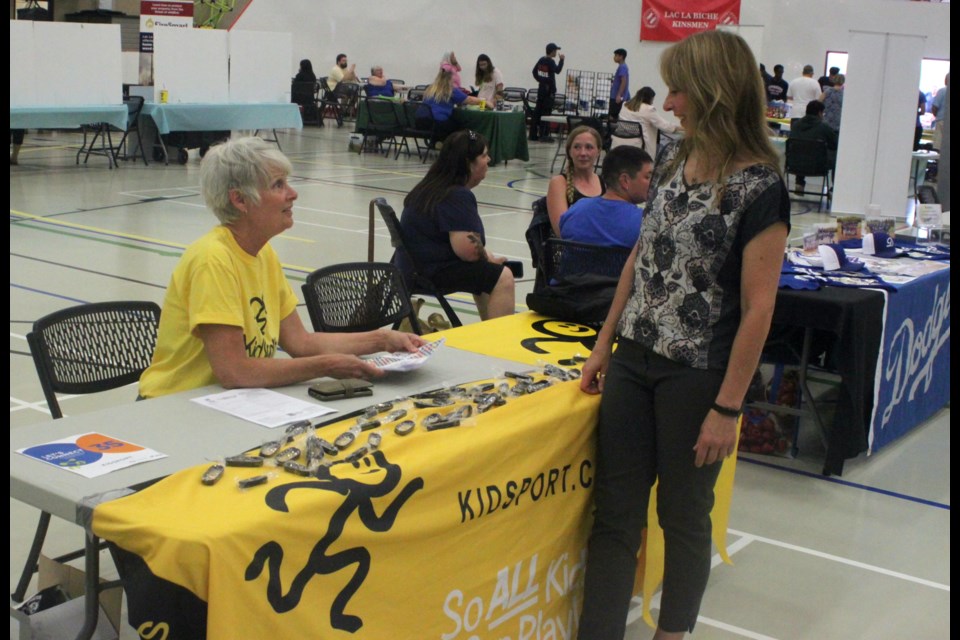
(865, 555)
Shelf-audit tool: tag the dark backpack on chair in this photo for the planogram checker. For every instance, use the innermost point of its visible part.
(584, 298)
(538, 232)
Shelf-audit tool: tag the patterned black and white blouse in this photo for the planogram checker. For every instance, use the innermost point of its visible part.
(685, 302)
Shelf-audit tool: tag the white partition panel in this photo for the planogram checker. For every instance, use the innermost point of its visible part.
(47, 70)
(23, 88)
(260, 66)
(191, 64)
(877, 125)
(78, 63)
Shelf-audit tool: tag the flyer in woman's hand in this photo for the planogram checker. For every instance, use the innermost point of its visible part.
(404, 360)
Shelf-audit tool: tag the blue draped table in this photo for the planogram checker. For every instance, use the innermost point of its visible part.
(72, 117)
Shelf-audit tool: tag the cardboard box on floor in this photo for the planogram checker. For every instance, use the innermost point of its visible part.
(65, 620)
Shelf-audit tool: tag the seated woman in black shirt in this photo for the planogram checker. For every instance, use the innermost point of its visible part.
(441, 220)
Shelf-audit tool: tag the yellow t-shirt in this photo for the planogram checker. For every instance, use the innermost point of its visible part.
(335, 76)
(216, 282)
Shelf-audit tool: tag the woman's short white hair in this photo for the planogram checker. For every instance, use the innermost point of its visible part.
(244, 164)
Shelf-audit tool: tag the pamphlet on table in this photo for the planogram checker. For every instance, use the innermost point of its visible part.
(91, 454)
(263, 406)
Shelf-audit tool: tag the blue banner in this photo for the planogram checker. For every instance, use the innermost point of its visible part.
(913, 373)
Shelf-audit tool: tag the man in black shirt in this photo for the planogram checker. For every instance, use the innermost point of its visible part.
(827, 81)
(545, 73)
(776, 86)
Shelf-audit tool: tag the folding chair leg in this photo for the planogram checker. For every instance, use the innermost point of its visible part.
(451, 314)
(30, 567)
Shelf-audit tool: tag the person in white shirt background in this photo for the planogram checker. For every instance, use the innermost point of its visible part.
(640, 109)
(489, 80)
(801, 91)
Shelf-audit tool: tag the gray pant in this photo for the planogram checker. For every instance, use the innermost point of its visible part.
(650, 419)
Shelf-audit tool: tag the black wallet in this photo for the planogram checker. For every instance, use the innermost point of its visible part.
(339, 389)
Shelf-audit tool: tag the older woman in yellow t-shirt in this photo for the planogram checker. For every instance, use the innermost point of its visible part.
(229, 306)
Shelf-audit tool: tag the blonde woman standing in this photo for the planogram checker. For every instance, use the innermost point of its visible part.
(690, 316)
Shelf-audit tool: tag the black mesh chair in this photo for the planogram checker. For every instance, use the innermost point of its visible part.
(384, 126)
(530, 103)
(102, 132)
(415, 95)
(340, 102)
(358, 296)
(563, 258)
(87, 349)
(411, 130)
(628, 130)
(416, 282)
(516, 95)
(306, 94)
(810, 159)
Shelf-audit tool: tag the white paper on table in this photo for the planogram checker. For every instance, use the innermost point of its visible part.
(91, 454)
(263, 406)
(405, 360)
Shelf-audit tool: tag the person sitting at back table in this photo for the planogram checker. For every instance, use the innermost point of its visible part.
(340, 72)
(613, 219)
(303, 91)
(441, 220)
(228, 306)
(640, 109)
(489, 81)
(305, 74)
(579, 178)
(377, 85)
(439, 99)
(812, 127)
(449, 63)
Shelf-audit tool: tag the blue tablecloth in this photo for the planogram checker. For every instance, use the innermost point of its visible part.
(54, 117)
(223, 117)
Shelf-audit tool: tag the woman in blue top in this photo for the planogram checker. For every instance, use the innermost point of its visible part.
(377, 85)
(441, 220)
(439, 99)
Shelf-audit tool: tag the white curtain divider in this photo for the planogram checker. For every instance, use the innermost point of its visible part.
(877, 125)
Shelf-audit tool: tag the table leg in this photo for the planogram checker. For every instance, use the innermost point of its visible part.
(91, 586)
(560, 152)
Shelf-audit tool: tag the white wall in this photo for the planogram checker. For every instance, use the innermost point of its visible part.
(409, 37)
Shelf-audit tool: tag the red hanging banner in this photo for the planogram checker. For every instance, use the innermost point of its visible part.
(672, 20)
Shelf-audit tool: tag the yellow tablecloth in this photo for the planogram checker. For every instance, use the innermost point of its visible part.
(529, 337)
(476, 531)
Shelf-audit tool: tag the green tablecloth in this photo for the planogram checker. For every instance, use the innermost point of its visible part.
(505, 131)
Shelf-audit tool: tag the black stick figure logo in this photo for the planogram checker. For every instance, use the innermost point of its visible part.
(559, 331)
(260, 313)
(357, 496)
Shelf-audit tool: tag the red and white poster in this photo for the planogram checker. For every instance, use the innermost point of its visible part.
(671, 20)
